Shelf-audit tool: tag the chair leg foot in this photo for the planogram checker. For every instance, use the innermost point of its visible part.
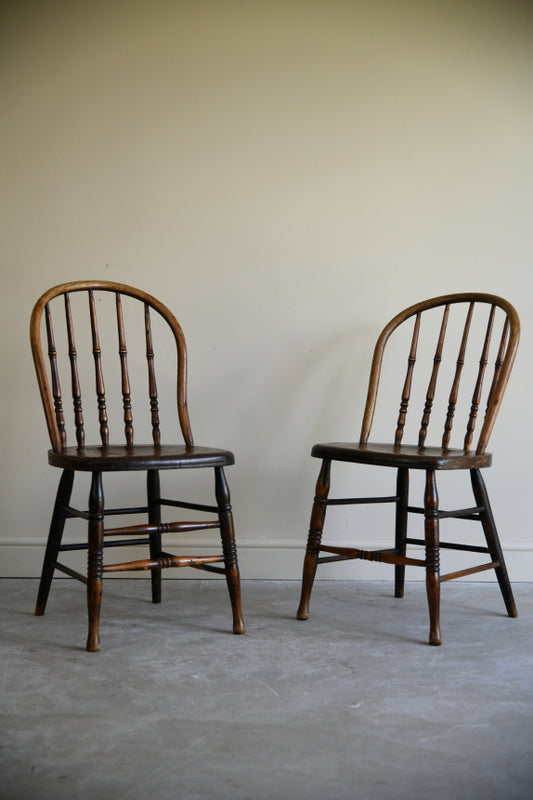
(399, 581)
(238, 626)
(94, 602)
(93, 644)
(310, 565)
(156, 586)
(435, 638)
(234, 588)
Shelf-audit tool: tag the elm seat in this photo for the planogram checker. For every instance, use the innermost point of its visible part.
(482, 330)
(390, 455)
(139, 456)
(69, 350)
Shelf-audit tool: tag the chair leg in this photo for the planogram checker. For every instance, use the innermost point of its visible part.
(431, 531)
(154, 517)
(57, 526)
(314, 538)
(229, 548)
(493, 541)
(95, 561)
(402, 492)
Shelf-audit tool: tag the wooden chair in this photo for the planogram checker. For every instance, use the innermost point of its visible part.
(118, 309)
(496, 343)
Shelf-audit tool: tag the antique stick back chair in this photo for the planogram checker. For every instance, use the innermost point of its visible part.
(490, 352)
(87, 312)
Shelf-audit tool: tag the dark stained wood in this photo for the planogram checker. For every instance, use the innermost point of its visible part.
(111, 456)
(472, 456)
(493, 541)
(400, 542)
(55, 536)
(407, 455)
(139, 456)
(153, 494)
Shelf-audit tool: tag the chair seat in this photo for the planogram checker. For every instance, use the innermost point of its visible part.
(405, 455)
(138, 457)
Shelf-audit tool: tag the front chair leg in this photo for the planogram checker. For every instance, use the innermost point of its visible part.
(229, 548)
(431, 531)
(95, 561)
(314, 538)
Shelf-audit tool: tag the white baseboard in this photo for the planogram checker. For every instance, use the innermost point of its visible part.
(273, 559)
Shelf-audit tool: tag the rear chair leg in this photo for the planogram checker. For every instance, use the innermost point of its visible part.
(154, 517)
(95, 561)
(57, 526)
(314, 538)
(493, 541)
(229, 548)
(431, 530)
(402, 493)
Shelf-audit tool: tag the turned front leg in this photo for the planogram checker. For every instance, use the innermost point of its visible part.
(95, 561)
(314, 538)
(431, 531)
(229, 549)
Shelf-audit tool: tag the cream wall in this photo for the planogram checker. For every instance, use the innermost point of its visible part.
(286, 176)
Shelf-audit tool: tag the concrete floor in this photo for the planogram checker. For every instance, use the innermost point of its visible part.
(350, 704)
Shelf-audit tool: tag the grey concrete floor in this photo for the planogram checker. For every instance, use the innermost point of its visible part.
(350, 704)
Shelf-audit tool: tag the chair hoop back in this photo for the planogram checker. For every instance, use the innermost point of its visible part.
(48, 377)
(506, 347)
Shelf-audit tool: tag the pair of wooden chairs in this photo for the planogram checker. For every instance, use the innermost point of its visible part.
(135, 320)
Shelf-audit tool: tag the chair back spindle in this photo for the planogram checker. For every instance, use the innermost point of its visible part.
(100, 387)
(75, 380)
(56, 386)
(498, 364)
(152, 383)
(432, 387)
(476, 398)
(454, 393)
(406, 394)
(124, 374)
